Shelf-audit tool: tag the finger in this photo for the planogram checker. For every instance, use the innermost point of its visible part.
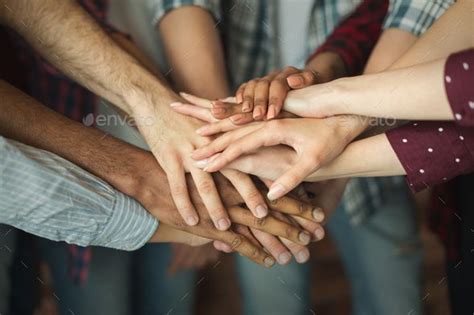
(217, 127)
(221, 143)
(179, 192)
(194, 111)
(223, 247)
(229, 99)
(278, 90)
(312, 227)
(274, 246)
(270, 225)
(248, 95)
(300, 252)
(211, 198)
(261, 98)
(294, 207)
(202, 102)
(301, 80)
(291, 178)
(221, 110)
(244, 230)
(244, 246)
(239, 96)
(232, 149)
(249, 192)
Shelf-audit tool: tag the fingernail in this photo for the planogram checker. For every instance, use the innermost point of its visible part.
(223, 224)
(319, 233)
(268, 261)
(302, 256)
(257, 114)
(318, 215)
(304, 237)
(276, 192)
(201, 130)
(202, 163)
(246, 107)
(271, 112)
(297, 81)
(261, 210)
(183, 94)
(284, 258)
(192, 220)
(176, 104)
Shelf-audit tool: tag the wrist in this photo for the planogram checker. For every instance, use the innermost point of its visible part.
(328, 65)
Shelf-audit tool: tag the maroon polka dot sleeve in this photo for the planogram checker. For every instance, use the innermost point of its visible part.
(459, 84)
(434, 152)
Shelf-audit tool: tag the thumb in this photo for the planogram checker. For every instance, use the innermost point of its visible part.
(291, 178)
(302, 79)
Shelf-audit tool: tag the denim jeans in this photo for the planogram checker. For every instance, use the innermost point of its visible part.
(382, 257)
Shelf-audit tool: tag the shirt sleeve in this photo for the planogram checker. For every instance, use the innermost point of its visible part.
(356, 36)
(48, 196)
(161, 7)
(433, 152)
(415, 16)
(459, 85)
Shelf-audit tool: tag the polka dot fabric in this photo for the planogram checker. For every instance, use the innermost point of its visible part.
(435, 152)
(459, 84)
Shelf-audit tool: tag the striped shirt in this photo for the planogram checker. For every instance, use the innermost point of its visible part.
(48, 196)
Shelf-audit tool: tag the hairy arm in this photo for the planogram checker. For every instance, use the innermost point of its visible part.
(76, 45)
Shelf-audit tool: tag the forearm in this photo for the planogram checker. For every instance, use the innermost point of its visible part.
(69, 38)
(414, 93)
(194, 51)
(356, 162)
(452, 32)
(27, 121)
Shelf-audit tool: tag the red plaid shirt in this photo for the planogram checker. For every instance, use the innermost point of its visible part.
(354, 39)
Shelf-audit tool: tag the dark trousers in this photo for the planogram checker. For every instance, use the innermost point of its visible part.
(461, 272)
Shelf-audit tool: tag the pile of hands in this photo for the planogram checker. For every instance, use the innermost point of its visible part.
(244, 146)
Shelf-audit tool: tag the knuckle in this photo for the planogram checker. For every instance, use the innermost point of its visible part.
(178, 190)
(254, 252)
(206, 186)
(260, 101)
(260, 222)
(236, 241)
(254, 196)
(289, 231)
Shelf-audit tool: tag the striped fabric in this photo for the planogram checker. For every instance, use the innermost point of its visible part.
(48, 196)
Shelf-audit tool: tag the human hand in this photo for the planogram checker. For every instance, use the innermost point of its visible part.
(269, 92)
(172, 145)
(154, 194)
(315, 141)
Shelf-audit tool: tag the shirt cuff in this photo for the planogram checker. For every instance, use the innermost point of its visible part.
(459, 82)
(415, 16)
(430, 152)
(165, 6)
(129, 227)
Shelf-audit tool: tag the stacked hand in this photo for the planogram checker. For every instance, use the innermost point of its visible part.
(315, 142)
(280, 235)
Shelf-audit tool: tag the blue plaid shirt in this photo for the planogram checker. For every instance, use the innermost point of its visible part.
(249, 30)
